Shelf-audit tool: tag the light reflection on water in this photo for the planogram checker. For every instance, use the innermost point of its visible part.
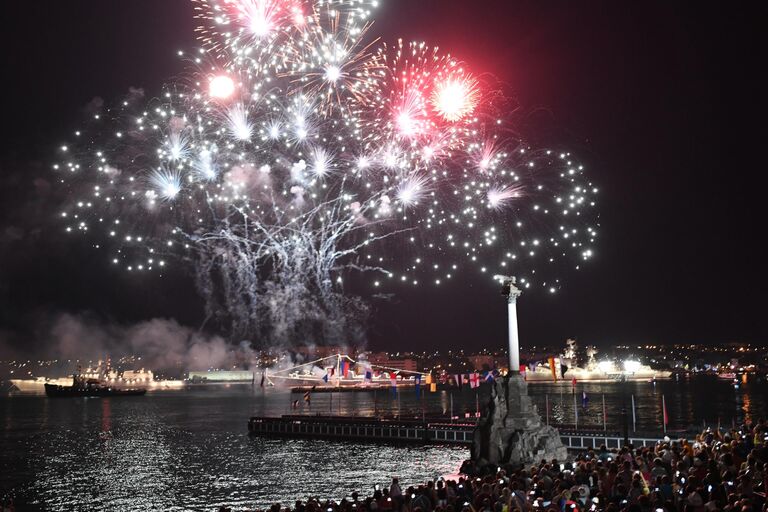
(180, 450)
(188, 450)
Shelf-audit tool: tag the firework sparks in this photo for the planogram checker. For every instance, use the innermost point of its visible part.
(322, 157)
(455, 98)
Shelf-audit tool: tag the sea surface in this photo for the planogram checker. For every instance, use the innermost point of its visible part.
(190, 450)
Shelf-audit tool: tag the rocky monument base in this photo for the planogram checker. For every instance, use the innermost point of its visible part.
(512, 431)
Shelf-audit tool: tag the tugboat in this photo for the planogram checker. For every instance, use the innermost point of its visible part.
(84, 386)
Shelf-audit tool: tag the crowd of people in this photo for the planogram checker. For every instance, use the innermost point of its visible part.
(719, 470)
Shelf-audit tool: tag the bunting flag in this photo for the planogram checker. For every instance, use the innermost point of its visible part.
(552, 368)
(326, 377)
(563, 369)
(344, 368)
(307, 398)
(393, 380)
(417, 384)
(368, 375)
(584, 399)
(474, 381)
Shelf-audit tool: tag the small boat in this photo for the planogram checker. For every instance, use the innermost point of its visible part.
(54, 390)
(727, 376)
(90, 387)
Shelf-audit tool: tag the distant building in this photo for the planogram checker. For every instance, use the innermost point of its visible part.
(221, 376)
(400, 363)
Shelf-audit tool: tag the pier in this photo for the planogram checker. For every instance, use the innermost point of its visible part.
(346, 428)
(426, 431)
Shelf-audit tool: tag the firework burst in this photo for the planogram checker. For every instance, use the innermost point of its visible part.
(295, 153)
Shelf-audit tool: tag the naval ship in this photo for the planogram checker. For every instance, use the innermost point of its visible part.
(101, 371)
(566, 369)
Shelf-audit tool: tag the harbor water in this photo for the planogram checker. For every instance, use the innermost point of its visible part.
(189, 450)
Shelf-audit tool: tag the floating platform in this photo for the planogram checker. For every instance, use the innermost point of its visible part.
(426, 431)
(374, 429)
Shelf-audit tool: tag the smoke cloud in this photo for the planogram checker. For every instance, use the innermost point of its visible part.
(161, 343)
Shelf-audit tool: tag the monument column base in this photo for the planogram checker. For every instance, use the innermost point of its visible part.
(512, 431)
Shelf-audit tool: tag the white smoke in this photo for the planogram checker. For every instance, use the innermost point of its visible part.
(161, 343)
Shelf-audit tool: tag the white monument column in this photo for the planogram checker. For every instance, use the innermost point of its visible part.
(512, 292)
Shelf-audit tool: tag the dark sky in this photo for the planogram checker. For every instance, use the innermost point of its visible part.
(661, 100)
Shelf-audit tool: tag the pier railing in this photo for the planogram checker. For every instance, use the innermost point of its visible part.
(438, 431)
(364, 429)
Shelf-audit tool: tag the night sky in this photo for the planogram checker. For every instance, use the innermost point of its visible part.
(661, 101)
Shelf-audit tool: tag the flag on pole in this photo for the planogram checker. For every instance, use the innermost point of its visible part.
(417, 384)
(532, 366)
(489, 377)
(262, 379)
(458, 379)
(552, 368)
(584, 399)
(664, 412)
(307, 398)
(393, 380)
(368, 375)
(575, 412)
(432, 387)
(634, 419)
(344, 369)
(573, 384)
(474, 380)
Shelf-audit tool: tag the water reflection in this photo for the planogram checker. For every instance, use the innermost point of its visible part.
(189, 450)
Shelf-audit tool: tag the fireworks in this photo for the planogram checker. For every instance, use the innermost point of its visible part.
(296, 153)
(222, 87)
